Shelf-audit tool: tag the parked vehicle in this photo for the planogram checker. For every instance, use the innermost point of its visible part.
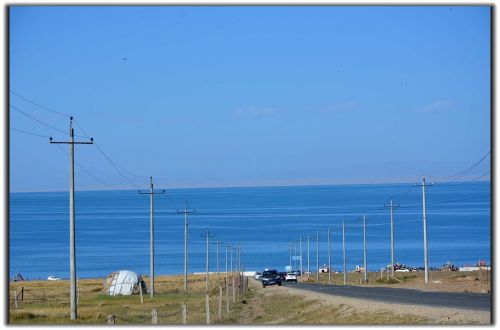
(258, 276)
(270, 277)
(291, 277)
(297, 272)
(53, 278)
(282, 275)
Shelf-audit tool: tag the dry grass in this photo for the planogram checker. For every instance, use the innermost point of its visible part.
(261, 307)
(258, 306)
(94, 306)
(475, 281)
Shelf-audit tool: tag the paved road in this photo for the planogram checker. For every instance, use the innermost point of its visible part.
(474, 301)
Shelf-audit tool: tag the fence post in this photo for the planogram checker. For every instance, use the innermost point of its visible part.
(140, 291)
(246, 284)
(207, 307)
(219, 312)
(15, 299)
(111, 319)
(154, 318)
(234, 291)
(184, 313)
(22, 293)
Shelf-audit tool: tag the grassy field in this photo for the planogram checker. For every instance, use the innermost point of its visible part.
(47, 302)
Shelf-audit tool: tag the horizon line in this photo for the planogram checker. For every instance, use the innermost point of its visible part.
(247, 186)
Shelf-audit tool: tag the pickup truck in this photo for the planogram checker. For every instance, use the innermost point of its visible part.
(270, 277)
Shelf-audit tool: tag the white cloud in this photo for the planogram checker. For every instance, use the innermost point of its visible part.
(255, 111)
(436, 105)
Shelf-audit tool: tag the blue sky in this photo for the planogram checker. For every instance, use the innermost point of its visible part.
(245, 96)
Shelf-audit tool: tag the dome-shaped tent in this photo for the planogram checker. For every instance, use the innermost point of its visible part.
(124, 282)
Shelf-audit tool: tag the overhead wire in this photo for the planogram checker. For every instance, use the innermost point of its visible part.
(87, 171)
(112, 163)
(122, 170)
(28, 133)
(39, 105)
(37, 120)
(461, 174)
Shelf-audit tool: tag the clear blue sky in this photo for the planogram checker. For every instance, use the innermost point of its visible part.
(243, 96)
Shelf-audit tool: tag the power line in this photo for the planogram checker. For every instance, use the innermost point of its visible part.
(121, 167)
(29, 133)
(37, 120)
(464, 172)
(115, 166)
(86, 171)
(39, 105)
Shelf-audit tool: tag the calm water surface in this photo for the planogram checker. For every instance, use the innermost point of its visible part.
(113, 227)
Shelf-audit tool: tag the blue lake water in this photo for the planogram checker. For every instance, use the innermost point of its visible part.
(113, 227)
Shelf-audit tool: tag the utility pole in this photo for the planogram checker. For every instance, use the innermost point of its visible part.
(343, 249)
(295, 254)
(231, 250)
(186, 212)
(72, 242)
(207, 236)
(227, 283)
(227, 246)
(151, 194)
(392, 206)
(329, 259)
(300, 247)
(317, 257)
(424, 210)
(239, 258)
(308, 255)
(217, 243)
(290, 257)
(364, 247)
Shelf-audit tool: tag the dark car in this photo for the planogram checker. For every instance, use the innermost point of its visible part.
(282, 275)
(270, 277)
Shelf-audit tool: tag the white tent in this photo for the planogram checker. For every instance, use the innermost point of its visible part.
(124, 282)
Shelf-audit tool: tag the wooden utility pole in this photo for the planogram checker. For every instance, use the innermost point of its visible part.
(392, 206)
(186, 212)
(151, 194)
(72, 230)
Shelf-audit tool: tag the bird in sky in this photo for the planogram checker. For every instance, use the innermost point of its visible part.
(124, 59)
